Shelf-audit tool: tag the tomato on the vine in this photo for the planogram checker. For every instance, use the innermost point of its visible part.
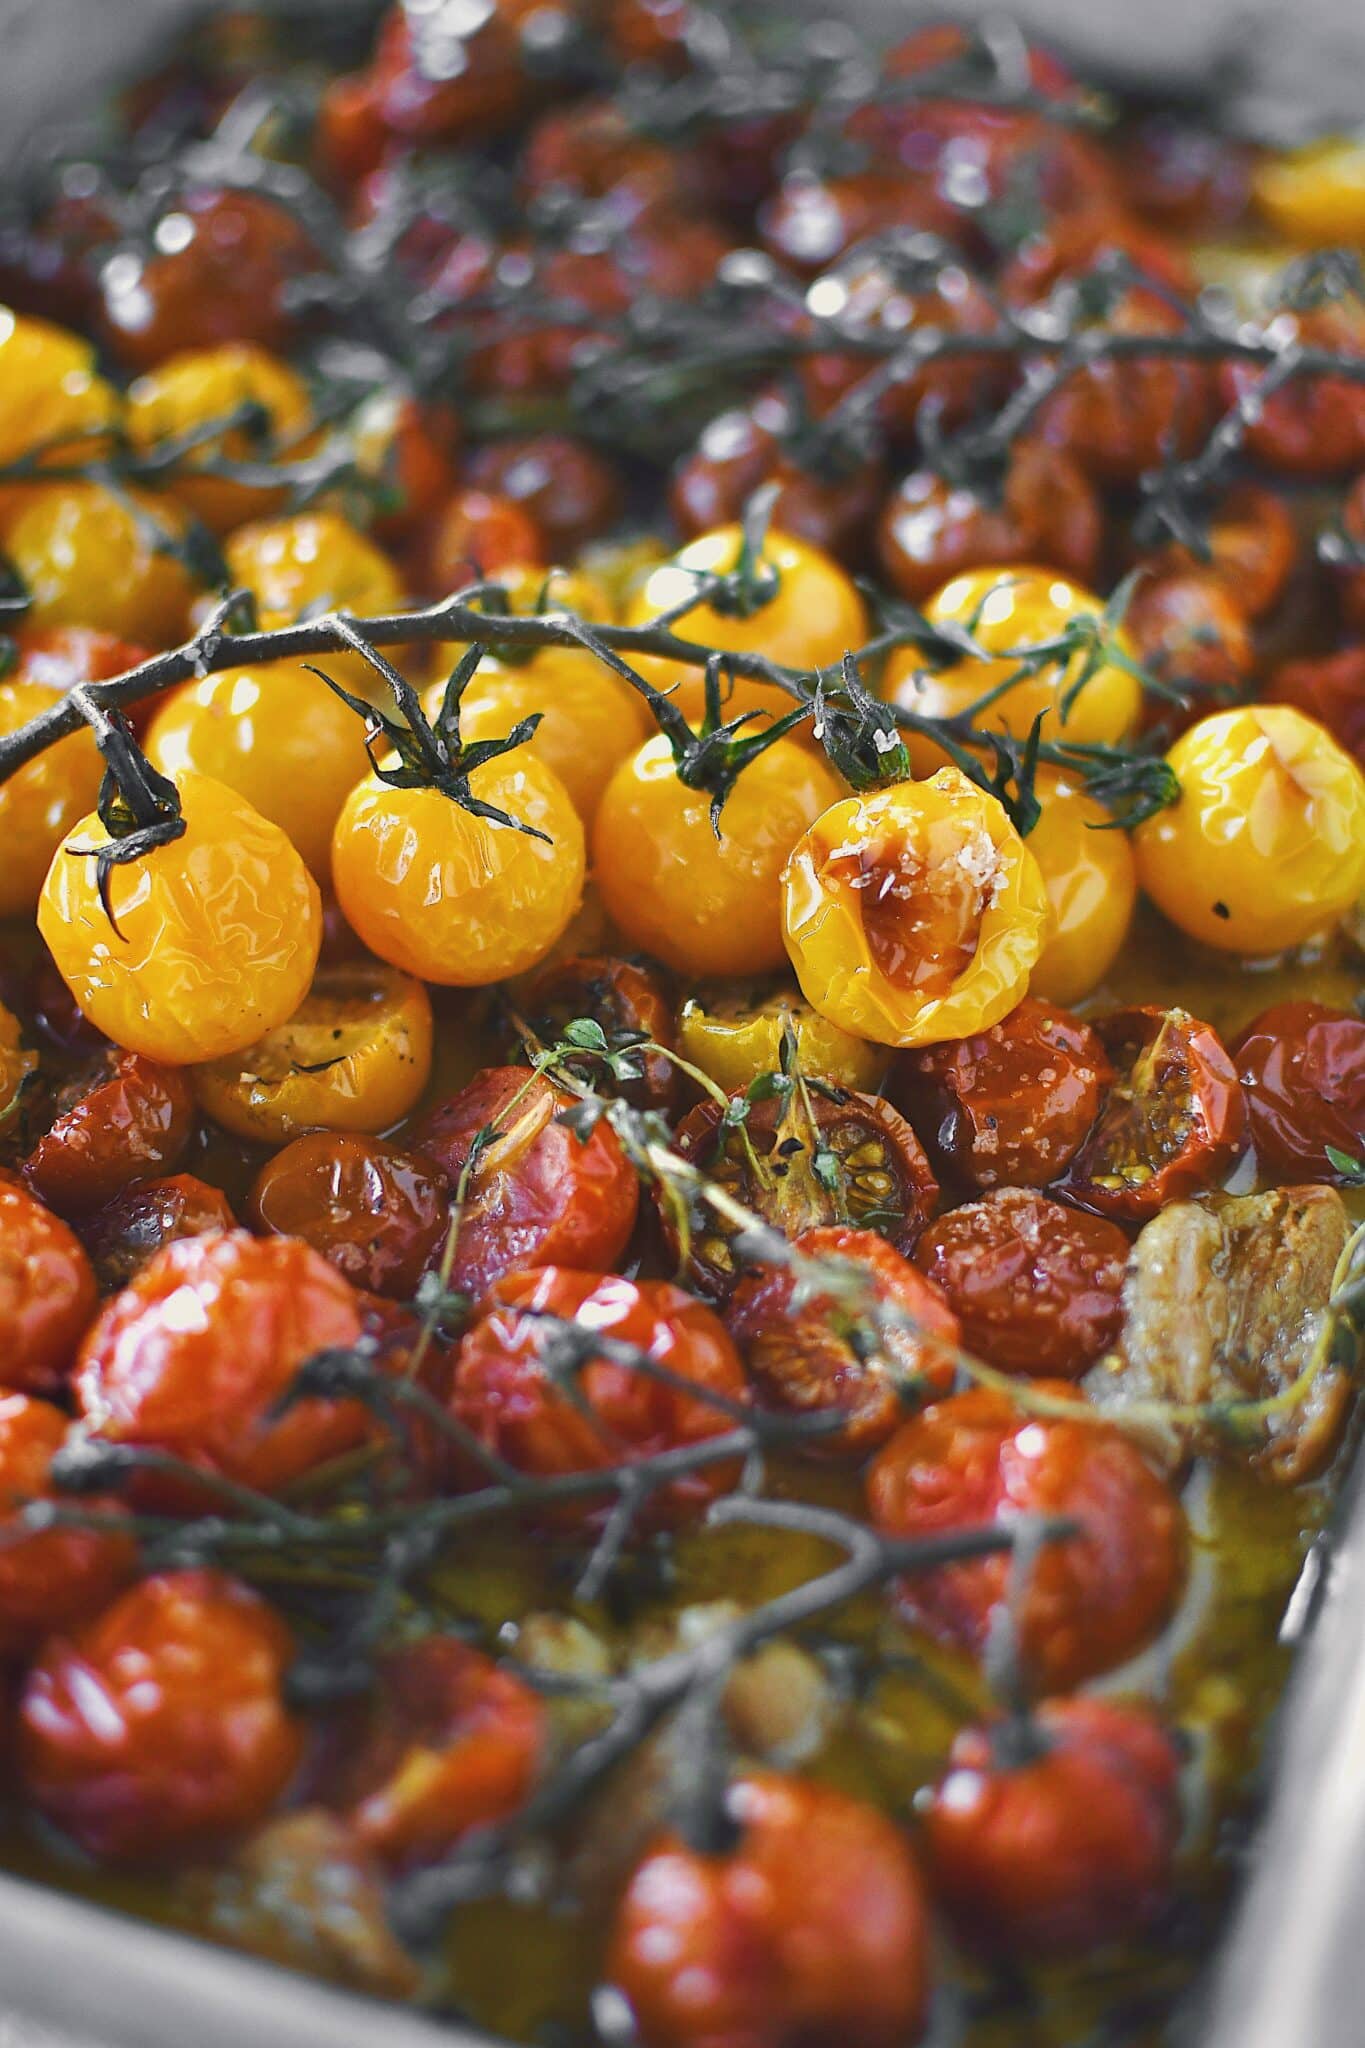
(56, 409)
(626, 999)
(1328, 688)
(111, 559)
(569, 491)
(829, 504)
(120, 1119)
(1090, 877)
(272, 415)
(1046, 510)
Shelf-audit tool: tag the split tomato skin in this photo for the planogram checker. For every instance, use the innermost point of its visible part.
(1302, 1070)
(49, 1578)
(131, 1120)
(375, 1211)
(47, 1293)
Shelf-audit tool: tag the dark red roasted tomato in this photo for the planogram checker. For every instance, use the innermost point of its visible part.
(1302, 1070)
(123, 1235)
(375, 1211)
(121, 1119)
(1044, 510)
(570, 492)
(830, 504)
(622, 996)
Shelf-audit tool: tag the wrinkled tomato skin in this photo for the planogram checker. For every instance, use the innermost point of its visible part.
(1302, 1070)
(538, 1196)
(123, 1235)
(47, 1294)
(52, 1577)
(505, 1396)
(1036, 1287)
(803, 1363)
(1065, 1848)
(1011, 1106)
(192, 1357)
(811, 1928)
(621, 996)
(1094, 1599)
(1329, 688)
(1047, 512)
(1174, 1120)
(132, 1122)
(158, 1729)
(376, 1212)
(566, 488)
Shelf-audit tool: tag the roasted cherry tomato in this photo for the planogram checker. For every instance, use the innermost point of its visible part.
(378, 1213)
(824, 1157)
(478, 534)
(92, 556)
(569, 491)
(1311, 426)
(1192, 635)
(509, 1397)
(450, 1743)
(810, 221)
(1328, 688)
(1350, 578)
(1266, 845)
(734, 1035)
(1121, 417)
(1253, 544)
(159, 1729)
(1037, 1288)
(1314, 195)
(1046, 511)
(47, 1293)
(534, 1194)
(355, 1056)
(1056, 1835)
(452, 80)
(1302, 1070)
(123, 1235)
(1093, 1599)
(828, 1358)
(261, 407)
(1090, 877)
(404, 452)
(153, 972)
(914, 913)
(626, 999)
(1173, 1122)
(1184, 177)
(195, 1354)
(42, 800)
(311, 562)
(592, 150)
(811, 1927)
(56, 657)
(654, 32)
(830, 506)
(1007, 1107)
(122, 1119)
(703, 900)
(55, 408)
(52, 1577)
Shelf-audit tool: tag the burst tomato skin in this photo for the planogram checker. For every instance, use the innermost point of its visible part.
(158, 1729)
(193, 1355)
(1093, 1599)
(805, 1364)
(132, 1122)
(1302, 1070)
(1069, 1846)
(47, 1293)
(931, 531)
(376, 1212)
(52, 1577)
(1037, 1287)
(505, 1396)
(1007, 1107)
(129, 1230)
(811, 1928)
(538, 1195)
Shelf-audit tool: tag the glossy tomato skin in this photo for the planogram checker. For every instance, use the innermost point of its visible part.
(375, 1211)
(438, 84)
(1119, 418)
(1313, 426)
(1329, 688)
(47, 1293)
(803, 1359)
(158, 1729)
(506, 1396)
(1037, 1287)
(1183, 177)
(1065, 1846)
(1253, 544)
(1302, 1070)
(1090, 876)
(812, 1927)
(52, 1577)
(1192, 634)
(1010, 1106)
(129, 1230)
(1047, 512)
(62, 655)
(192, 1357)
(42, 800)
(623, 996)
(105, 559)
(1174, 1120)
(478, 533)
(537, 1195)
(569, 491)
(1094, 1599)
(751, 445)
(128, 1120)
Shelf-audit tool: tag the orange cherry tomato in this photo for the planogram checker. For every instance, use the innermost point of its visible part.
(830, 507)
(1048, 511)
(42, 800)
(59, 656)
(122, 1119)
(376, 1212)
(1253, 544)
(49, 1578)
(1192, 634)
(92, 556)
(47, 1294)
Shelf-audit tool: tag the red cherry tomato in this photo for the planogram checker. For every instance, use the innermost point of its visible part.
(811, 221)
(1059, 1836)
(622, 997)
(1036, 1287)
(1094, 1599)
(569, 491)
(1119, 417)
(1329, 688)
(1187, 179)
(52, 1577)
(444, 80)
(1046, 511)
(351, 136)
(1011, 1106)
(1192, 634)
(477, 534)
(1312, 426)
(195, 1353)
(47, 1294)
(123, 1235)
(805, 1360)
(1172, 1124)
(58, 656)
(536, 1195)
(376, 1212)
(590, 150)
(159, 1730)
(811, 1928)
(753, 445)
(506, 1395)
(123, 1120)
(1302, 1070)
(1253, 544)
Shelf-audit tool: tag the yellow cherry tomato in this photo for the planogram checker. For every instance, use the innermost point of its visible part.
(1315, 195)
(451, 897)
(191, 391)
(1005, 610)
(355, 1056)
(16, 1064)
(95, 557)
(1091, 880)
(1266, 846)
(916, 913)
(735, 1035)
(813, 616)
(275, 734)
(214, 937)
(316, 562)
(52, 403)
(532, 591)
(42, 801)
(703, 903)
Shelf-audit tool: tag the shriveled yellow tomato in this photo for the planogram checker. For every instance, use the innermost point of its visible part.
(810, 616)
(1266, 847)
(453, 898)
(1006, 610)
(1314, 195)
(354, 1056)
(734, 1035)
(16, 1064)
(215, 936)
(702, 903)
(202, 386)
(275, 734)
(42, 801)
(311, 562)
(1091, 881)
(914, 914)
(52, 402)
(94, 557)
